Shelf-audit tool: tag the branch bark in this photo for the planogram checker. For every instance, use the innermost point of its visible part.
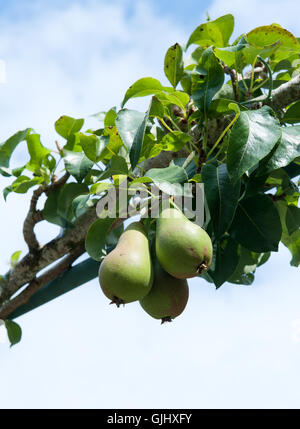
(286, 94)
(32, 218)
(233, 76)
(38, 283)
(26, 270)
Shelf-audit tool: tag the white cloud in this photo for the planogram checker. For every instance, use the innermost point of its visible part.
(76, 60)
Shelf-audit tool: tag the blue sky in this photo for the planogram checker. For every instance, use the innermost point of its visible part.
(235, 347)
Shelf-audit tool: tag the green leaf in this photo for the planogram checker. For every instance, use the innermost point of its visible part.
(23, 183)
(175, 141)
(178, 98)
(110, 117)
(128, 123)
(77, 164)
(226, 92)
(221, 106)
(256, 224)
(6, 192)
(141, 88)
(7, 148)
(254, 185)
(96, 238)
(51, 210)
(137, 144)
(67, 194)
(151, 147)
(247, 263)
(252, 137)
(222, 196)
(266, 36)
(65, 126)
(228, 55)
(97, 188)
(6, 172)
(292, 242)
(189, 166)
(14, 332)
(168, 179)
(81, 204)
(186, 82)
(113, 236)
(93, 146)
(92, 177)
(215, 32)
(117, 166)
(114, 145)
(226, 260)
(140, 180)
(49, 162)
(280, 179)
(18, 171)
(286, 151)
(292, 219)
(292, 114)
(157, 108)
(14, 258)
(171, 174)
(208, 81)
(36, 151)
(195, 57)
(174, 64)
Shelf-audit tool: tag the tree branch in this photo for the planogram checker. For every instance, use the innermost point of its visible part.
(32, 218)
(38, 283)
(32, 263)
(286, 94)
(234, 81)
(57, 183)
(259, 71)
(26, 270)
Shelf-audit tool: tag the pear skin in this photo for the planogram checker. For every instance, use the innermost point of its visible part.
(183, 248)
(125, 274)
(168, 296)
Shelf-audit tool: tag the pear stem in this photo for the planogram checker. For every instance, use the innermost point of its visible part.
(117, 301)
(202, 267)
(166, 319)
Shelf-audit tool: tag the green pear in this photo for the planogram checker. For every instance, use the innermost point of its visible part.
(125, 274)
(168, 296)
(183, 248)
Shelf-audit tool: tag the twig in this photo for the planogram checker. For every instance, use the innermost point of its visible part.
(233, 77)
(59, 148)
(57, 183)
(256, 71)
(35, 216)
(286, 94)
(32, 218)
